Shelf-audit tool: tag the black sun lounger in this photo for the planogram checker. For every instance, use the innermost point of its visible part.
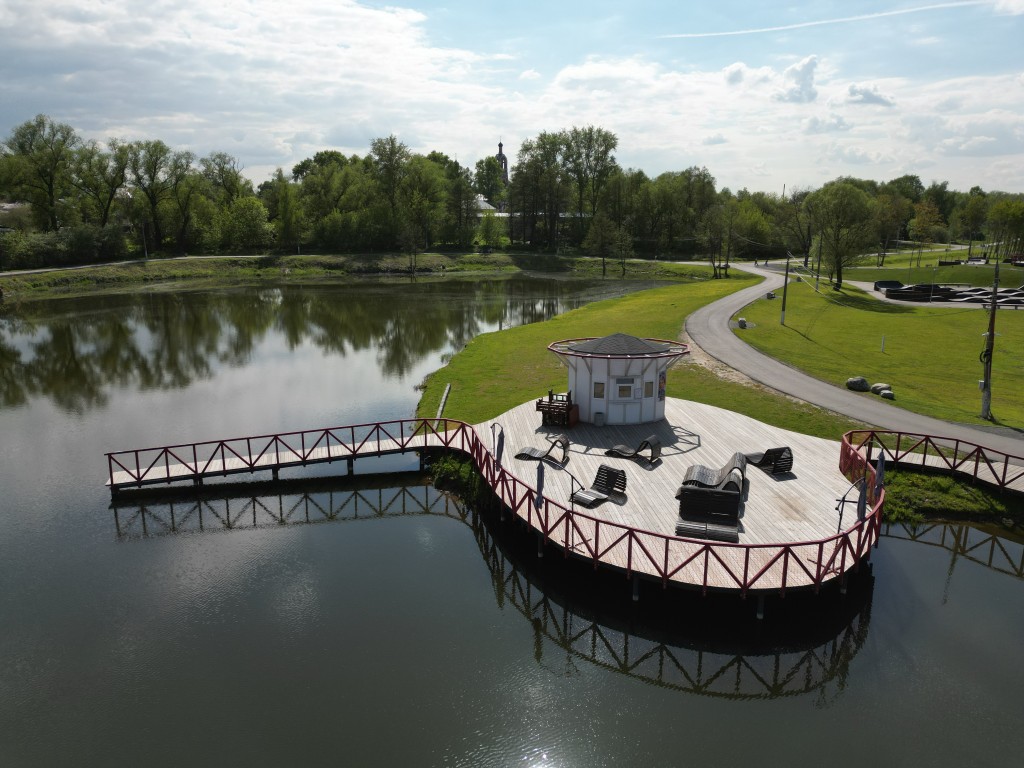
(652, 443)
(608, 481)
(537, 454)
(774, 461)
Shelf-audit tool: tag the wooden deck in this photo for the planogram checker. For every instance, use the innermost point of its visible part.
(792, 533)
(797, 507)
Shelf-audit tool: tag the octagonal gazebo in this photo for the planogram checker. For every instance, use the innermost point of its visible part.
(618, 379)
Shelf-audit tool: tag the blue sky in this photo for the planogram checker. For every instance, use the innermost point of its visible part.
(763, 94)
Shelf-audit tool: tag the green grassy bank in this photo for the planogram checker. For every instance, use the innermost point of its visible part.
(498, 371)
(930, 356)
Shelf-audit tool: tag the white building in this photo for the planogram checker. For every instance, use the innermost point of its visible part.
(618, 379)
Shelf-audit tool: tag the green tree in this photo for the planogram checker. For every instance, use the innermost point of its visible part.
(390, 165)
(185, 187)
(842, 216)
(100, 175)
(39, 154)
(908, 186)
(150, 163)
(490, 180)
(491, 231)
(926, 226)
(539, 188)
(1006, 225)
(972, 216)
(288, 221)
(223, 174)
(892, 212)
(247, 229)
(939, 195)
(424, 190)
(606, 240)
(588, 163)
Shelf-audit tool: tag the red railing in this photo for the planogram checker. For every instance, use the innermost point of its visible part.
(961, 457)
(706, 564)
(164, 464)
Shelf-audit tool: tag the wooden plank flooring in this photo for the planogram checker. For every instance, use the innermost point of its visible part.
(797, 507)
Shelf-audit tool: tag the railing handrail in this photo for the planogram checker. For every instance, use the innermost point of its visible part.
(656, 554)
(965, 453)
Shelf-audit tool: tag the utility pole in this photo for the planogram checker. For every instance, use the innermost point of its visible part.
(986, 356)
(785, 286)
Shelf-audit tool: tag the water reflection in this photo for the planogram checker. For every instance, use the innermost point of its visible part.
(672, 639)
(75, 351)
(965, 542)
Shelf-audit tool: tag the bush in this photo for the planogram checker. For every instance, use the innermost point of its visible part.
(457, 474)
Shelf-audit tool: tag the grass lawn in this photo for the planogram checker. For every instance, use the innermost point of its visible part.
(930, 357)
(498, 371)
(912, 497)
(911, 274)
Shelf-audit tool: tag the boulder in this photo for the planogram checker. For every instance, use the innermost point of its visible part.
(858, 384)
(742, 322)
(887, 394)
(880, 388)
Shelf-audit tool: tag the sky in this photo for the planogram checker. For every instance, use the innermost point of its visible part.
(766, 95)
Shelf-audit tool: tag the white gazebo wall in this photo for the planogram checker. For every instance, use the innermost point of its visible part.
(625, 390)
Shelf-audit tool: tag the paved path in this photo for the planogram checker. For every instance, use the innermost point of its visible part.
(709, 329)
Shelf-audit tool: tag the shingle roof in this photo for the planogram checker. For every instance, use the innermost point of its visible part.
(619, 344)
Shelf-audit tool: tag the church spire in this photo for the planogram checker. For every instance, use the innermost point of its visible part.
(503, 162)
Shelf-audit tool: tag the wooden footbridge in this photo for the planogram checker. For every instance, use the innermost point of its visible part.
(794, 533)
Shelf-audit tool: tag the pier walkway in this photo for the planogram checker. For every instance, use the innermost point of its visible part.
(794, 531)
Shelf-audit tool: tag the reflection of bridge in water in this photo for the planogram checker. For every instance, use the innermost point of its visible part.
(964, 541)
(677, 640)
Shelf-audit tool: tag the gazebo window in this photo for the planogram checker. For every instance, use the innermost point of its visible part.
(648, 389)
(624, 389)
(599, 390)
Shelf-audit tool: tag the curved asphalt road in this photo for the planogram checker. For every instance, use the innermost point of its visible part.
(709, 329)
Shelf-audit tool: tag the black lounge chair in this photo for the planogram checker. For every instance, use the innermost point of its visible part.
(774, 461)
(609, 481)
(709, 500)
(706, 477)
(537, 454)
(651, 443)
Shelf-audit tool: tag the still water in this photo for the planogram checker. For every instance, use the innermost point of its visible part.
(375, 621)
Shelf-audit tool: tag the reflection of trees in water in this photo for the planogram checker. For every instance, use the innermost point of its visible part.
(690, 644)
(78, 349)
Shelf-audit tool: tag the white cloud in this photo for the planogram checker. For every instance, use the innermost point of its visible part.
(829, 124)
(273, 88)
(1013, 7)
(734, 74)
(799, 81)
(850, 154)
(864, 94)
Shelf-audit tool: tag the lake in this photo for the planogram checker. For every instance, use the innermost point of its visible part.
(377, 621)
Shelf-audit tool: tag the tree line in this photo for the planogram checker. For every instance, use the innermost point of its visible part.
(86, 201)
